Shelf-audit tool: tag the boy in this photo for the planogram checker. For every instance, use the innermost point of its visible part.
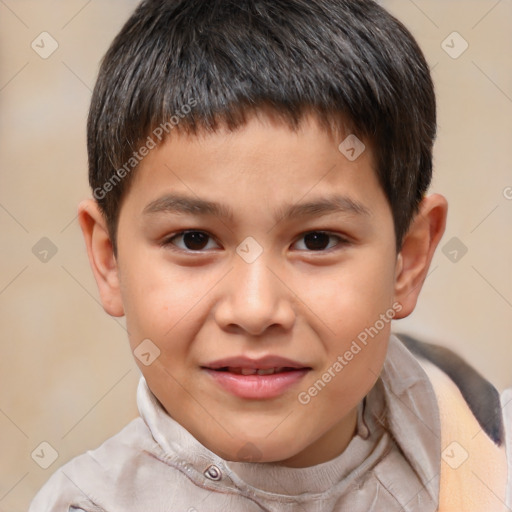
(226, 140)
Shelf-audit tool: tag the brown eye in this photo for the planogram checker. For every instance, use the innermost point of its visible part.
(195, 240)
(319, 241)
(316, 241)
(190, 240)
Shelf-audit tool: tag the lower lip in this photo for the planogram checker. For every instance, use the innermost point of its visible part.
(257, 387)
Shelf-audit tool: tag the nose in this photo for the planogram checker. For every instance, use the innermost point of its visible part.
(254, 298)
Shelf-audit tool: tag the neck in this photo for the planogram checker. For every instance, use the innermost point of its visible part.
(327, 447)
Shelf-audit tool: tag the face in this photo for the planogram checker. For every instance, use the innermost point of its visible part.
(254, 261)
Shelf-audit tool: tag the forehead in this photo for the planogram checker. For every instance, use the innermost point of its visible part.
(263, 163)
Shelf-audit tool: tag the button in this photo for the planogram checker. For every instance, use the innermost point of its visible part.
(213, 473)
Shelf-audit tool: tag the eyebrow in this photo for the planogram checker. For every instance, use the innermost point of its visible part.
(176, 203)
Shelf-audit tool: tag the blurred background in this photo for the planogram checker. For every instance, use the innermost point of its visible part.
(67, 377)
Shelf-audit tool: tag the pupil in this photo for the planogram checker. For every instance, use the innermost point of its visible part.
(195, 240)
(316, 241)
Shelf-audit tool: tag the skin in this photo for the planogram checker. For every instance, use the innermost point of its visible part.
(293, 301)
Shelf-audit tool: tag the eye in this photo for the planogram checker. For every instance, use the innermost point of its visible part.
(191, 241)
(319, 241)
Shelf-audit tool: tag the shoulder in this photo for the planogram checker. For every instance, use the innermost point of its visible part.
(479, 394)
(79, 483)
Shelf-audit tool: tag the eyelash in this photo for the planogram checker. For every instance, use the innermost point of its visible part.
(168, 242)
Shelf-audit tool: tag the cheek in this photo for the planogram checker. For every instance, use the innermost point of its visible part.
(354, 297)
(158, 299)
(357, 308)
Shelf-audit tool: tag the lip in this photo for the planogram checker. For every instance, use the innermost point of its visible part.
(263, 363)
(256, 387)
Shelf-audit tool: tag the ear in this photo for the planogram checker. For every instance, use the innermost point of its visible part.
(101, 256)
(417, 251)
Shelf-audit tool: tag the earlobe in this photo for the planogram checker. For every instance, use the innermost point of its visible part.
(101, 256)
(417, 251)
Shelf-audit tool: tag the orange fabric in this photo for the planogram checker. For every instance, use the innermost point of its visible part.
(473, 474)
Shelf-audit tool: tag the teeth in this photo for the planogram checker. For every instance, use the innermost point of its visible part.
(268, 371)
(255, 371)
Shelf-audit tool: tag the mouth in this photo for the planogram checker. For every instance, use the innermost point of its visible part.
(255, 371)
(256, 379)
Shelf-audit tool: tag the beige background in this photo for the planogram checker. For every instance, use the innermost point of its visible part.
(67, 375)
